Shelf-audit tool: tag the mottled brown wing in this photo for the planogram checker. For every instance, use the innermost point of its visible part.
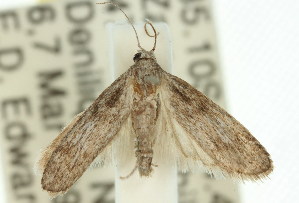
(70, 154)
(206, 132)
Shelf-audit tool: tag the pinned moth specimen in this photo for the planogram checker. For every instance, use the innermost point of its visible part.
(153, 104)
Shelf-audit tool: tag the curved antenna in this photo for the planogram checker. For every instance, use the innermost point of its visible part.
(114, 4)
(148, 34)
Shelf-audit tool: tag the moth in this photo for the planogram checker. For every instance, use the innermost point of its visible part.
(159, 110)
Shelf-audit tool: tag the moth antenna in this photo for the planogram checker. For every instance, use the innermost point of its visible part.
(148, 34)
(116, 5)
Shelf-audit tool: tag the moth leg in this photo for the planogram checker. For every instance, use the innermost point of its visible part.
(155, 165)
(130, 174)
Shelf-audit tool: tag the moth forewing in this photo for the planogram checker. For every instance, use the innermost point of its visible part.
(206, 134)
(71, 153)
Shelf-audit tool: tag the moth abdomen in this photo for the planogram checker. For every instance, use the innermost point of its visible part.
(144, 160)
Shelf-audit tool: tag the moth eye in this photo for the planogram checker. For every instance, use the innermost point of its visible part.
(137, 57)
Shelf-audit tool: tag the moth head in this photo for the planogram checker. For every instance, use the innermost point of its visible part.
(143, 54)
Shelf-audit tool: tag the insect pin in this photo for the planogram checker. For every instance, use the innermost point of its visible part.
(153, 103)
